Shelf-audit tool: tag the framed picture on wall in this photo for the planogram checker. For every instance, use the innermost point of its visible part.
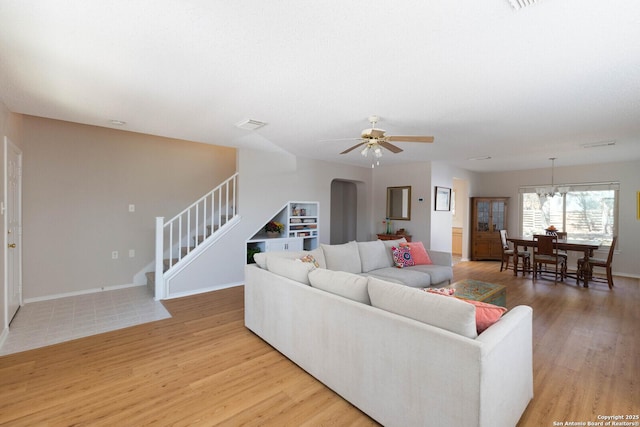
(443, 199)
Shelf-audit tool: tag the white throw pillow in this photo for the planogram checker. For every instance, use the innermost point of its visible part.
(444, 312)
(343, 257)
(341, 283)
(373, 255)
(292, 269)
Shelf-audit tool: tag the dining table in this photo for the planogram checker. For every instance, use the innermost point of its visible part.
(585, 247)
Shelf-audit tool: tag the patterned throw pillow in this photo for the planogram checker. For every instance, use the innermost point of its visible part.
(402, 255)
(310, 259)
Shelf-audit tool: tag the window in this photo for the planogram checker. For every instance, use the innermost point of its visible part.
(585, 212)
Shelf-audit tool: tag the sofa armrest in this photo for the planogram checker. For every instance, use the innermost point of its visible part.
(440, 258)
(507, 360)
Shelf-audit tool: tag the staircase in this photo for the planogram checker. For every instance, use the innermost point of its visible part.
(184, 237)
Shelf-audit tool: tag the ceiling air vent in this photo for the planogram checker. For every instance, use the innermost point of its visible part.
(250, 124)
(598, 144)
(519, 4)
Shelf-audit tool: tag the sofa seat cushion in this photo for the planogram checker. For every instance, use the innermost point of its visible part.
(373, 255)
(347, 285)
(406, 276)
(343, 257)
(443, 312)
(437, 273)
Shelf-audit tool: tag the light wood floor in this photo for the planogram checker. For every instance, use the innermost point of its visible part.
(202, 367)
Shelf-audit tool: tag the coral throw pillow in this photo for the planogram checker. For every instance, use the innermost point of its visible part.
(419, 253)
(402, 255)
(486, 314)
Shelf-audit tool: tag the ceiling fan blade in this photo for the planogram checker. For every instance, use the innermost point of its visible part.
(410, 138)
(390, 147)
(353, 148)
(340, 139)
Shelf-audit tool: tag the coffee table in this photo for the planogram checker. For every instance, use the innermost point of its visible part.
(480, 291)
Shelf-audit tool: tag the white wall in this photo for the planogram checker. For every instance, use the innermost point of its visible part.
(627, 173)
(267, 181)
(418, 176)
(64, 180)
(431, 227)
(78, 184)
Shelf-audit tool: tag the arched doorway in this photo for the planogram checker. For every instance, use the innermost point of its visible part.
(344, 211)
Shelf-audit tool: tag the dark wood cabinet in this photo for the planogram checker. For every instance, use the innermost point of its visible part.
(488, 217)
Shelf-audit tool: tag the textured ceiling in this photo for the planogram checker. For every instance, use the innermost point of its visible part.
(484, 79)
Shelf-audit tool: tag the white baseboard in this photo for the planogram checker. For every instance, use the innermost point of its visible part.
(3, 336)
(203, 290)
(82, 292)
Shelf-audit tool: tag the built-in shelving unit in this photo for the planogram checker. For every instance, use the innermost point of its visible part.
(301, 222)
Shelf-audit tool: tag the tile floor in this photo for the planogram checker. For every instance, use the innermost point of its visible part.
(43, 323)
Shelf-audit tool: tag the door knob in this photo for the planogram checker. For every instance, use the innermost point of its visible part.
(12, 245)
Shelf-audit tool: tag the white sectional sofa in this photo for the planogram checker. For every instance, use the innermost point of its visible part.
(374, 259)
(403, 356)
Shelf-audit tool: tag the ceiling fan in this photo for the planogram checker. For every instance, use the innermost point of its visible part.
(374, 140)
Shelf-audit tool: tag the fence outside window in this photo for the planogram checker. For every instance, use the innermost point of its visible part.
(586, 212)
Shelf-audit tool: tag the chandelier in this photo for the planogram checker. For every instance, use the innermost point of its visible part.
(552, 190)
(376, 151)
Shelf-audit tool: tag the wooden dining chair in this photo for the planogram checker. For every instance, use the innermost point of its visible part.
(597, 262)
(545, 252)
(562, 235)
(507, 254)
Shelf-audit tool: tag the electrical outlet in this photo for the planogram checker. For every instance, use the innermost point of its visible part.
(132, 253)
(132, 208)
(114, 255)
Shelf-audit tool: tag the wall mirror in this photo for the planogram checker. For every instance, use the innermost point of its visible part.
(399, 203)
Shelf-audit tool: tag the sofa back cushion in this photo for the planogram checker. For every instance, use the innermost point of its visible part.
(262, 258)
(388, 244)
(347, 285)
(318, 254)
(343, 257)
(373, 255)
(293, 269)
(446, 313)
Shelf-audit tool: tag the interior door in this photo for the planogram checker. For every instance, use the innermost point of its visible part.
(13, 225)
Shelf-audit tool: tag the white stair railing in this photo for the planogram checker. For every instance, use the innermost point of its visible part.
(178, 237)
